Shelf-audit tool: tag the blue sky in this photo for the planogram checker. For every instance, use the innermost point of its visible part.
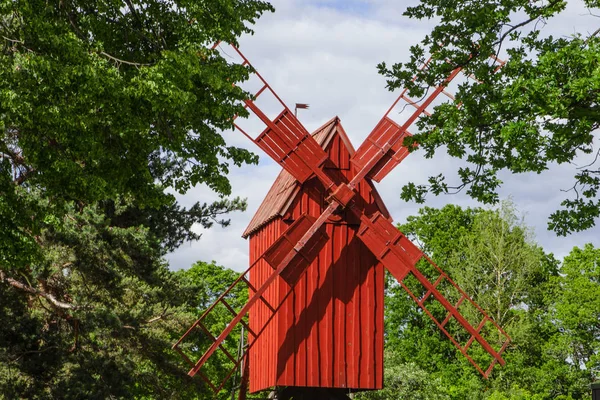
(346, 6)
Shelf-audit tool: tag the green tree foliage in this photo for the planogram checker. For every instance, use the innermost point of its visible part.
(208, 282)
(577, 309)
(104, 106)
(406, 381)
(492, 256)
(105, 99)
(96, 316)
(540, 108)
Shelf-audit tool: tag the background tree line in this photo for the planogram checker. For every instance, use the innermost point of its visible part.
(551, 310)
(117, 342)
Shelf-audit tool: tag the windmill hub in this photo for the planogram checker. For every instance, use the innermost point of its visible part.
(342, 195)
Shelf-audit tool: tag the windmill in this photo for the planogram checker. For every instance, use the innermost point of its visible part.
(319, 244)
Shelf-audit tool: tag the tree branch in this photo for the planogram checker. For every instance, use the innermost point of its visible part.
(514, 28)
(34, 352)
(150, 321)
(137, 16)
(24, 176)
(12, 40)
(30, 289)
(119, 61)
(592, 35)
(521, 24)
(159, 317)
(593, 162)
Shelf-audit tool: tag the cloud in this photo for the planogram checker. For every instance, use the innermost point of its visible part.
(325, 53)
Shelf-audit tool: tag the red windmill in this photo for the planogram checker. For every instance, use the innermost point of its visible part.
(319, 243)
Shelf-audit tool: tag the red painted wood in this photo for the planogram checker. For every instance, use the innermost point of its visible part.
(339, 289)
(286, 140)
(379, 327)
(400, 257)
(320, 338)
(325, 324)
(352, 311)
(385, 142)
(286, 360)
(289, 144)
(312, 345)
(385, 131)
(282, 350)
(262, 355)
(368, 323)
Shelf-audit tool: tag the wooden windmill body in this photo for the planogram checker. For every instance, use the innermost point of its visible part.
(319, 244)
(329, 330)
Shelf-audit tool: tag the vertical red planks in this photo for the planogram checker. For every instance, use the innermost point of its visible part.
(299, 330)
(379, 292)
(312, 345)
(328, 331)
(353, 311)
(325, 323)
(286, 358)
(339, 309)
(263, 353)
(367, 323)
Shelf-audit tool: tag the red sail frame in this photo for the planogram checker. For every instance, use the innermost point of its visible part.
(290, 145)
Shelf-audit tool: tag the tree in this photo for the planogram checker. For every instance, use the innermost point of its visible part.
(577, 311)
(540, 108)
(97, 316)
(104, 107)
(406, 381)
(492, 256)
(105, 99)
(210, 281)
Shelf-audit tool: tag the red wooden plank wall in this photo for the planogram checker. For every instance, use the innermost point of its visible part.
(263, 356)
(329, 330)
(332, 332)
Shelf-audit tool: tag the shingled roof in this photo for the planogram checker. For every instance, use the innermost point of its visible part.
(284, 189)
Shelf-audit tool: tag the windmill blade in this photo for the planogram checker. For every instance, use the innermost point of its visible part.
(383, 149)
(199, 333)
(283, 137)
(294, 250)
(462, 320)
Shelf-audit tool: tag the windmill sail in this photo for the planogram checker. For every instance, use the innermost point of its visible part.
(285, 140)
(402, 258)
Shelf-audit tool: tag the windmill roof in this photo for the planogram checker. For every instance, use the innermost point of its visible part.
(284, 189)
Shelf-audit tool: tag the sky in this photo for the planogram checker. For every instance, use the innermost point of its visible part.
(324, 53)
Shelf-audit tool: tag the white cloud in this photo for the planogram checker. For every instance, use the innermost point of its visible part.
(324, 53)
